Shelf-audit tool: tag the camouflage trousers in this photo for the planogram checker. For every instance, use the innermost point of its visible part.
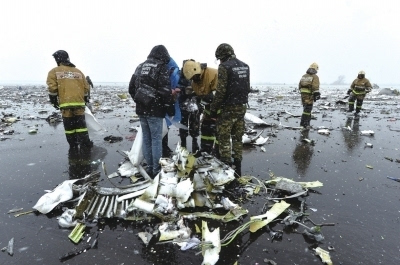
(230, 124)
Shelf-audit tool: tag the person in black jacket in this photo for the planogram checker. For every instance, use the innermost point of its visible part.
(150, 88)
(231, 100)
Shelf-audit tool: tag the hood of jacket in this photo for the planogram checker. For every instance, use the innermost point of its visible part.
(160, 53)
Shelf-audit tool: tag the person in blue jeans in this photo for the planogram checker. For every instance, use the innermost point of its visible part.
(150, 88)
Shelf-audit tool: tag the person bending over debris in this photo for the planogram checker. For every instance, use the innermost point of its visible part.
(309, 89)
(231, 99)
(358, 89)
(68, 91)
(204, 82)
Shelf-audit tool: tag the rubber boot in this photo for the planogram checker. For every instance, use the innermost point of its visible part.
(183, 141)
(238, 167)
(84, 140)
(195, 145)
(216, 151)
(73, 142)
(166, 151)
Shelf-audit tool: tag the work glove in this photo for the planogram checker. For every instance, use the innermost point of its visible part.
(86, 98)
(54, 101)
(368, 89)
(348, 92)
(317, 96)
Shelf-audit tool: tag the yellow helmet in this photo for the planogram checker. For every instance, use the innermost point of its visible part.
(361, 73)
(191, 68)
(314, 66)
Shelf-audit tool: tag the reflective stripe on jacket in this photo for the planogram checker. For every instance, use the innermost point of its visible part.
(309, 83)
(360, 86)
(69, 84)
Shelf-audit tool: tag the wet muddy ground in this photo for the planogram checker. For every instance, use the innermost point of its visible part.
(357, 195)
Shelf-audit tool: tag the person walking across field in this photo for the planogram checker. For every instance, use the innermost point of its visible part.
(357, 92)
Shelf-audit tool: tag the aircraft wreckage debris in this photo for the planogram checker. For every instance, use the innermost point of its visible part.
(184, 183)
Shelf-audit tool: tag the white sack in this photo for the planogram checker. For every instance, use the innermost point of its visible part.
(92, 123)
(61, 193)
(136, 154)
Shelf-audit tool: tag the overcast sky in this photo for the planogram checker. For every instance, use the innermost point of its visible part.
(278, 39)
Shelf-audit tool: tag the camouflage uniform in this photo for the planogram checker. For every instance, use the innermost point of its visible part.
(359, 88)
(309, 87)
(230, 99)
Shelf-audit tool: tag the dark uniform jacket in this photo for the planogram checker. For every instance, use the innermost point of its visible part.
(233, 85)
(154, 73)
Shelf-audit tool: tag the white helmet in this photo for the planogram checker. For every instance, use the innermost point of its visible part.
(314, 66)
(361, 73)
(191, 68)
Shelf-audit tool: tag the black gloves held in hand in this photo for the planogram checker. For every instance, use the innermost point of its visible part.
(54, 101)
(317, 96)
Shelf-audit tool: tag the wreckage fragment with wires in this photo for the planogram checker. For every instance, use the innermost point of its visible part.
(184, 185)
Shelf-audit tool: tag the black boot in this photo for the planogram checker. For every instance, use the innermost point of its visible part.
(166, 151)
(183, 141)
(84, 140)
(238, 166)
(195, 145)
(73, 142)
(216, 151)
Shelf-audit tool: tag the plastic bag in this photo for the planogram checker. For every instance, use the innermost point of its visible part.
(91, 122)
(136, 154)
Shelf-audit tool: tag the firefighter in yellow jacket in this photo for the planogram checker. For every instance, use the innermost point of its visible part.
(68, 91)
(358, 89)
(204, 82)
(309, 89)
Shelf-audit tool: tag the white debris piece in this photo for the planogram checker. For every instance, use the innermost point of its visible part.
(61, 193)
(254, 119)
(324, 131)
(66, 219)
(324, 255)
(367, 132)
(211, 250)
